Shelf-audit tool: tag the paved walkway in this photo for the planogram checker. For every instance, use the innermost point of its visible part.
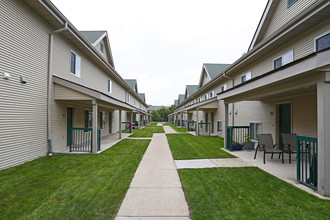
(169, 130)
(155, 191)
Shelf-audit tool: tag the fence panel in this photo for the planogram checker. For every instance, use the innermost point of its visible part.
(235, 137)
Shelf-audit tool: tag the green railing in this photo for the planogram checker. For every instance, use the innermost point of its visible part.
(235, 137)
(191, 126)
(307, 161)
(82, 139)
(203, 128)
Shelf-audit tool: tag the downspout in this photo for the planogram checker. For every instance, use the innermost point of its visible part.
(50, 57)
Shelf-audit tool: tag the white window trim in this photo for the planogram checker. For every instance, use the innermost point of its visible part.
(206, 96)
(224, 86)
(319, 36)
(212, 93)
(248, 76)
(77, 64)
(256, 122)
(288, 52)
(128, 98)
(109, 86)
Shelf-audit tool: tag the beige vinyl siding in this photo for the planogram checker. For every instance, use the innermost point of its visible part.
(23, 107)
(304, 115)
(283, 14)
(104, 53)
(301, 46)
(64, 93)
(91, 76)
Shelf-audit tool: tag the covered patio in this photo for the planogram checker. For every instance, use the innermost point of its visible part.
(298, 96)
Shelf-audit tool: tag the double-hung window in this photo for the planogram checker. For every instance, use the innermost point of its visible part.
(128, 98)
(101, 47)
(245, 77)
(109, 86)
(75, 63)
(206, 96)
(283, 60)
(212, 94)
(255, 128)
(88, 119)
(219, 126)
(322, 42)
(102, 120)
(223, 87)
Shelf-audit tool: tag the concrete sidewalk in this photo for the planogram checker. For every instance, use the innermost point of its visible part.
(169, 130)
(155, 191)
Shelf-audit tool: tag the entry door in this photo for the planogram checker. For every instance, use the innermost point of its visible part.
(110, 122)
(69, 124)
(284, 119)
(206, 120)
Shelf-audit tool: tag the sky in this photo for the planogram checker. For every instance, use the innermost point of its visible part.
(164, 43)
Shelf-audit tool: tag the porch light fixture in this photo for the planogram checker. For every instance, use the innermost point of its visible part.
(229, 113)
(6, 75)
(23, 79)
(236, 112)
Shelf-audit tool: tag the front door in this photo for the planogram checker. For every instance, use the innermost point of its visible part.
(110, 122)
(212, 122)
(206, 120)
(69, 124)
(284, 119)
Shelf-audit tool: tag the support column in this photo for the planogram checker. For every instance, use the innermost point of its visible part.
(225, 125)
(197, 121)
(119, 124)
(131, 122)
(323, 115)
(94, 144)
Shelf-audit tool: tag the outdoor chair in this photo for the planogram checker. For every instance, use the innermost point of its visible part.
(289, 144)
(265, 142)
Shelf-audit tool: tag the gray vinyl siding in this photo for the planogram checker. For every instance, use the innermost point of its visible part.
(23, 107)
(91, 76)
(283, 14)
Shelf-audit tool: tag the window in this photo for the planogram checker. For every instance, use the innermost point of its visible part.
(323, 42)
(219, 126)
(199, 99)
(206, 96)
(205, 75)
(255, 128)
(128, 98)
(291, 2)
(102, 120)
(88, 119)
(223, 87)
(109, 86)
(245, 77)
(283, 60)
(75, 64)
(212, 94)
(101, 47)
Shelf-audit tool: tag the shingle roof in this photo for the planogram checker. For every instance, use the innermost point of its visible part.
(92, 36)
(191, 89)
(131, 83)
(215, 69)
(142, 96)
(181, 98)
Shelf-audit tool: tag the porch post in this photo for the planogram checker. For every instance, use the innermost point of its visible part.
(225, 125)
(131, 122)
(323, 111)
(197, 121)
(95, 109)
(120, 124)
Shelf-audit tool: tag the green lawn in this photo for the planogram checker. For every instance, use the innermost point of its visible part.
(187, 146)
(84, 186)
(247, 193)
(176, 128)
(153, 124)
(145, 132)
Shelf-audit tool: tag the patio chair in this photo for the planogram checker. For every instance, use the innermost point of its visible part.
(289, 144)
(265, 141)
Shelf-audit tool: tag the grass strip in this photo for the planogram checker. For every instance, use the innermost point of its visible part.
(187, 146)
(176, 128)
(247, 193)
(81, 186)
